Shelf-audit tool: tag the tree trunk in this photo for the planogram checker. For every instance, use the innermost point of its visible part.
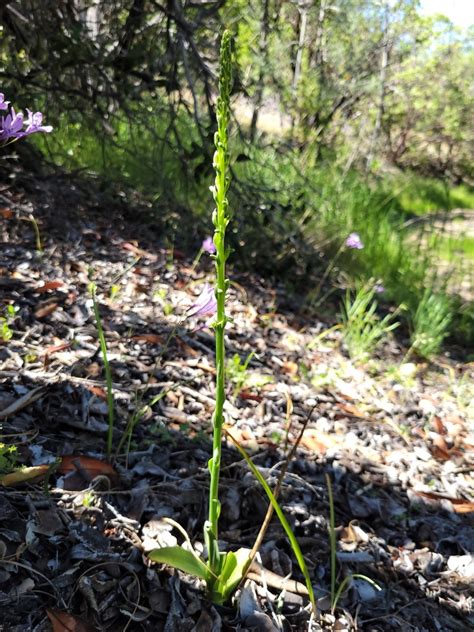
(263, 48)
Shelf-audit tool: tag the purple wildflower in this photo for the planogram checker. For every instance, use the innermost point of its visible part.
(206, 303)
(354, 241)
(208, 246)
(10, 125)
(3, 103)
(34, 123)
(379, 288)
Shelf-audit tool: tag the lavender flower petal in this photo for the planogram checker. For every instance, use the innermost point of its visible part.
(354, 241)
(206, 303)
(34, 123)
(208, 246)
(3, 103)
(10, 126)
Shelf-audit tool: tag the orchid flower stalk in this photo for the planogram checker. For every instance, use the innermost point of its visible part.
(224, 570)
(220, 219)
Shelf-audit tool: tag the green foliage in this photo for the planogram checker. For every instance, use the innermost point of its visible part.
(136, 417)
(430, 323)
(419, 195)
(237, 373)
(8, 458)
(6, 332)
(362, 329)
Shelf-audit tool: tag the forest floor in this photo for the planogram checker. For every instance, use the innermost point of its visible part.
(74, 532)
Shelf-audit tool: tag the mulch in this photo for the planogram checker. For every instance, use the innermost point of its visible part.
(76, 530)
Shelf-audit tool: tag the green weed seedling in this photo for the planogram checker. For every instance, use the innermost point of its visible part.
(135, 418)
(108, 372)
(222, 571)
(6, 321)
(430, 324)
(161, 295)
(362, 328)
(114, 292)
(237, 371)
(8, 458)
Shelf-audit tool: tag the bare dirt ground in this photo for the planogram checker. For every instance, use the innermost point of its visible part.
(396, 441)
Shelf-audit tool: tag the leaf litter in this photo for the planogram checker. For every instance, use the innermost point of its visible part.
(75, 529)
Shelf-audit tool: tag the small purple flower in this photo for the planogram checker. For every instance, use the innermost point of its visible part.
(379, 288)
(206, 303)
(354, 241)
(34, 123)
(10, 125)
(3, 103)
(208, 246)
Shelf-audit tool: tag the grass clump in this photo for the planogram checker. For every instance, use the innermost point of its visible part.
(430, 324)
(362, 328)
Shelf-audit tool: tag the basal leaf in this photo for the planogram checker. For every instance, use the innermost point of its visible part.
(179, 558)
(233, 570)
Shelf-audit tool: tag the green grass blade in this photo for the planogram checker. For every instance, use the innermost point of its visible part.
(108, 372)
(284, 522)
(332, 539)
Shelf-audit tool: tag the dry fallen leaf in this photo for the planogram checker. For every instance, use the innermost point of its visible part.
(86, 465)
(50, 285)
(290, 368)
(132, 247)
(244, 394)
(153, 339)
(438, 425)
(45, 310)
(459, 504)
(351, 410)
(98, 391)
(65, 622)
(56, 348)
(24, 475)
(317, 441)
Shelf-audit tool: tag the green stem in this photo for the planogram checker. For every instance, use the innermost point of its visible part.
(332, 539)
(220, 220)
(329, 269)
(108, 372)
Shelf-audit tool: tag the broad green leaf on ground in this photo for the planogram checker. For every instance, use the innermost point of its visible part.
(179, 558)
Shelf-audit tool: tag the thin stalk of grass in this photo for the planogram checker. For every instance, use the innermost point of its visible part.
(332, 539)
(346, 581)
(281, 516)
(135, 419)
(36, 230)
(276, 492)
(108, 372)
